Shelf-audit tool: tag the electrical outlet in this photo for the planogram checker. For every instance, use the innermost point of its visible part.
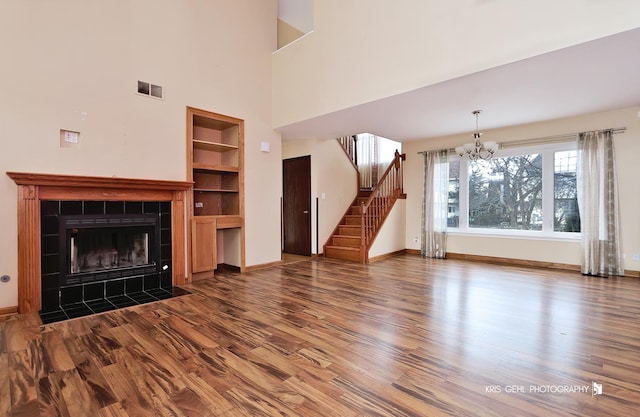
(415, 239)
(636, 257)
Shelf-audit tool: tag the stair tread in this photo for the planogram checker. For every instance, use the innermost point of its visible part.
(347, 248)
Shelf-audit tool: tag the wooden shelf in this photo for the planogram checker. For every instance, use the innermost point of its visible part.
(213, 146)
(198, 166)
(204, 119)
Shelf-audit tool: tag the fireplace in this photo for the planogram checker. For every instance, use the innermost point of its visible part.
(97, 256)
(111, 194)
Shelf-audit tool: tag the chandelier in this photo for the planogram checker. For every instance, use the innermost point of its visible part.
(476, 150)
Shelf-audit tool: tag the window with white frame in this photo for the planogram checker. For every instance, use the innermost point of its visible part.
(520, 191)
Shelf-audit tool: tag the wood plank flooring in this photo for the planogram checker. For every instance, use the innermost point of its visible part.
(404, 336)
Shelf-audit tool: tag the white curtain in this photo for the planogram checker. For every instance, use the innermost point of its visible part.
(598, 203)
(435, 203)
(367, 159)
(375, 153)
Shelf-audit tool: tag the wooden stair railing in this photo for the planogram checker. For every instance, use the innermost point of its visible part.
(375, 210)
(348, 144)
(353, 236)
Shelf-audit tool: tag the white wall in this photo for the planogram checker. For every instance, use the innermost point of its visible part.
(361, 51)
(391, 237)
(627, 147)
(332, 175)
(73, 64)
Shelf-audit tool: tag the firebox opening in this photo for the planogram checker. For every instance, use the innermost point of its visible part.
(108, 248)
(104, 247)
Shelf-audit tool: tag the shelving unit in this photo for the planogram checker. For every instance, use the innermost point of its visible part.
(215, 154)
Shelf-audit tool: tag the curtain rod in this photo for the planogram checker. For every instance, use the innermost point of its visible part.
(543, 140)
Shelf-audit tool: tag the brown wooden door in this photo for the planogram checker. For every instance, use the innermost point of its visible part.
(296, 205)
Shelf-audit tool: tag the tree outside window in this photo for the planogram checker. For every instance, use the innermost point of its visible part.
(506, 193)
(509, 192)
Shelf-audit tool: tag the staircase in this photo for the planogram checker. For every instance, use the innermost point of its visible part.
(353, 236)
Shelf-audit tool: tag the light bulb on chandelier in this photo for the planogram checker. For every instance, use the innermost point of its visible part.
(476, 150)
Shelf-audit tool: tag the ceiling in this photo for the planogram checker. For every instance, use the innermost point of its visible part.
(596, 76)
(297, 13)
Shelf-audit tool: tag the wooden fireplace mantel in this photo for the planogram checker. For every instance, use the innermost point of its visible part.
(33, 188)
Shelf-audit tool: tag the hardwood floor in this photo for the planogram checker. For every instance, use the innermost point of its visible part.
(403, 336)
(288, 258)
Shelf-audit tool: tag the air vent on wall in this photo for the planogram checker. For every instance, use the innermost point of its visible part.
(149, 89)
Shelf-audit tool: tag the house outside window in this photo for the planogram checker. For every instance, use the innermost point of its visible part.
(566, 213)
(521, 191)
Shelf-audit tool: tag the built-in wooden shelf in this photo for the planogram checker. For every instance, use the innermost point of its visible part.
(213, 146)
(197, 166)
(215, 158)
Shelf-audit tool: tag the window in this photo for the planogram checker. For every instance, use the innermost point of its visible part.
(565, 198)
(520, 191)
(453, 217)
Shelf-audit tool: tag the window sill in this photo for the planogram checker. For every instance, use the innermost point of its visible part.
(516, 234)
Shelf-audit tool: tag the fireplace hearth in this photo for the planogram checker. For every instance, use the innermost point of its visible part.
(97, 256)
